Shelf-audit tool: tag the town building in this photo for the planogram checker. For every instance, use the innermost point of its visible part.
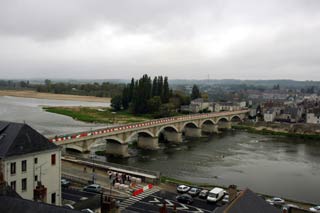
(313, 116)
(29, 163)
(245, 202)
(269, 115)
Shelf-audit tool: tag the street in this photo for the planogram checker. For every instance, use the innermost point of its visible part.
(152, 201)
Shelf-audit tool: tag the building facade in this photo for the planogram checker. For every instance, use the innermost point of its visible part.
(30, 163)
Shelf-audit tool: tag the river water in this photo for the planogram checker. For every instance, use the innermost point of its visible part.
(29, 110)
(272, 165)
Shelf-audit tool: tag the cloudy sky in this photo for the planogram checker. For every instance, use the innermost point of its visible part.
(90, 39)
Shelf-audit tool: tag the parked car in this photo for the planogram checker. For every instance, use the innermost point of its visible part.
(183, 188)
(194, 191)
(275, 200)
(184, 198)
(65, 183)
(315, 209)
(204, 193)
(95, 188)
(225, 199)
(215, 194)
(87, 210)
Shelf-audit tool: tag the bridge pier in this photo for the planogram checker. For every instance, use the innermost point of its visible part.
(225, 125)
(117, 149)
(193, 132)
(172, 136)
(209, 128)
(148, 142)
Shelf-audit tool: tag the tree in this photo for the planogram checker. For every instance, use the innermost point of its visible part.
(166, 91)
(154, 104)
(126, 97)
(195, 92)
(116, 102)
(155, 87)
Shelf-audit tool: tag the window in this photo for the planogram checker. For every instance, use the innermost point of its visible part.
(24, 184)
(13, 185)
(24, 166)
(13, 168)
(53, 159)
(35, 160)
(53, 198)
(36, 178)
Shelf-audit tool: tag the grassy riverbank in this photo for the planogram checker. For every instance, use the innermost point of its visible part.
(266, 131)
(97, 115)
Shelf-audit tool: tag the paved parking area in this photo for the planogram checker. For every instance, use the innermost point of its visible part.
(153, 200)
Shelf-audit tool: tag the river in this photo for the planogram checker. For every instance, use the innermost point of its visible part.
(29, 110)
(272, 165)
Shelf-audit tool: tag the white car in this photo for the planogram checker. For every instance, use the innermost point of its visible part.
(276, 200)
(315, 209)
(183, 188)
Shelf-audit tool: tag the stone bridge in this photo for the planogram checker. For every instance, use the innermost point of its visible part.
(147, 133)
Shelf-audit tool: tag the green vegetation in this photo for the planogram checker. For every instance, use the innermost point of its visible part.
(277, 133)
(146, 96)
(98, 115)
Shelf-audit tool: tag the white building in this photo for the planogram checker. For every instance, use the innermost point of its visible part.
(269, 115)
(29, 160)
(313, 118)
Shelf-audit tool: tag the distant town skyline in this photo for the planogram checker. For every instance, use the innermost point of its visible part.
(182, 39)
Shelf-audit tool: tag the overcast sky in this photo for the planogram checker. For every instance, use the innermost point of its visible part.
(189, 39)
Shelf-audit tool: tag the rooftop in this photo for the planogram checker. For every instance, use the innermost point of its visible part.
(248, 202)
(20, 138)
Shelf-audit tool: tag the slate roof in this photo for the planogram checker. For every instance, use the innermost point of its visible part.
(17, 205)
(248, 202)
(11, 202)
(19, 139)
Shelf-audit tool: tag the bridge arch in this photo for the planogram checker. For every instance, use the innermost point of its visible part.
(190, 124)
(207, 121)
(222, 119)
(139, 133)
(236, 118)
(74, 147)
(168, 127)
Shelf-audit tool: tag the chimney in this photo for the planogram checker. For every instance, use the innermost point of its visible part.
(232, 190)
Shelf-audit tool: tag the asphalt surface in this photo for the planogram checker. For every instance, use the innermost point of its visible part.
(153, 202)
(75, 195)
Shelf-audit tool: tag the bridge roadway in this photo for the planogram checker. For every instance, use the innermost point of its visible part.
(149, 131)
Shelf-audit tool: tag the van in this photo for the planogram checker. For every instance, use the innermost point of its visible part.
(215, 194)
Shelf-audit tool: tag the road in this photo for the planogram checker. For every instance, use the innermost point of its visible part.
(153, 200)
(75, 194)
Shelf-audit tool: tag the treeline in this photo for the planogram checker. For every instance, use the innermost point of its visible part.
(104, 89)
(150, 96)
(9, 84)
